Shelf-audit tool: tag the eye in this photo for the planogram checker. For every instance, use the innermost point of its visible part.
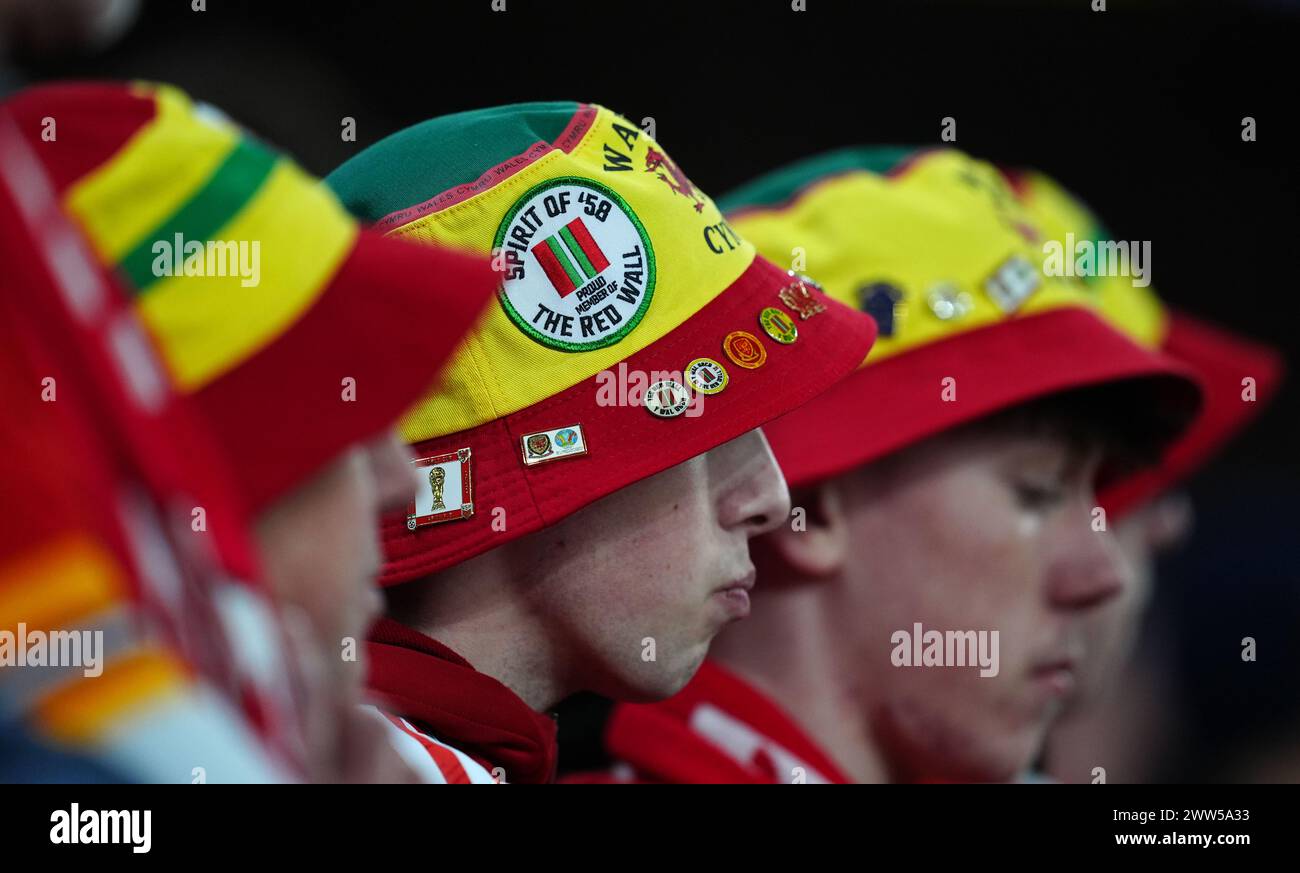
(1038, 496)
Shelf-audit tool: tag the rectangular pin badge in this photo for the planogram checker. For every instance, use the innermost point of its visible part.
(445, 491)
(1013, 283)
(551, 445)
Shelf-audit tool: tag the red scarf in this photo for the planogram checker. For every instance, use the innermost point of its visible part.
(670, 741)
(442, 694)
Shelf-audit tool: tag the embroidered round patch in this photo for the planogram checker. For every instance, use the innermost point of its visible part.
(706, 375)
(778, 325)
(744, 349)
(579, 269)
(667, 399)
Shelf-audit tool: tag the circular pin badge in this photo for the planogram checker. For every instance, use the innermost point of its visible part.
(706, 375)
(744, 349)
(948, 302)
(667, 399)
(778, 325)
(577, 265)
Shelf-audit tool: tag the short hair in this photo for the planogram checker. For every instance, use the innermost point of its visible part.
(1130, 422)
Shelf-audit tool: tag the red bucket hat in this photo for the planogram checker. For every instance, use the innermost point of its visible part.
(298, 333)
(1238, 376)
(634, 328)
(935, 246)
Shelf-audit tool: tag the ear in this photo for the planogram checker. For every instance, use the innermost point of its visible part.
(816, 544)
(1168, 521)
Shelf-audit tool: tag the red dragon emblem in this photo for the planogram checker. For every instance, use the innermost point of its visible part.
(676, 179)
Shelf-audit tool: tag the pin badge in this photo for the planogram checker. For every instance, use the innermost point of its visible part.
(445, 491)
(778, 325)
(667, 399)
(806, 279)
(744, 349)
(884, 303)
(706, 375)
(1013, 283)
(554, 444)
(537, 445)
(948, 302)
(800, 299)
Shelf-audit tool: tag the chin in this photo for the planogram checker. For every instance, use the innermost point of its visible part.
(657, 680)
(933, 746)
(1001, 761)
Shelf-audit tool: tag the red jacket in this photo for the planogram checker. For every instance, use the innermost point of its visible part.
(717, 729)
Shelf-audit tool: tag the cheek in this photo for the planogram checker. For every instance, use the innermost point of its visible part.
(339, 517)
(321, 551)
(347, 556)
(952, 552)
(669, 566)
(654, 585)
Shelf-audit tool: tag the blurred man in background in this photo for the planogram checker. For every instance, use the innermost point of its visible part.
(101, 466)
(926, 618)
(296, 335)
(1115, 719)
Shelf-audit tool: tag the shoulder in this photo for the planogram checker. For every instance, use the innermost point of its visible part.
(435, 761)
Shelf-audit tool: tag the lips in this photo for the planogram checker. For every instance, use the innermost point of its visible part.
(744, 583)
(1058, 676)
(735, 594)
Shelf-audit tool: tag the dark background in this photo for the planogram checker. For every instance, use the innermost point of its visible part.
(1137, 108)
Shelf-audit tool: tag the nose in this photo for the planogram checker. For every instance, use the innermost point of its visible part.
(1088, 568)
(394, 477)
(749, 489)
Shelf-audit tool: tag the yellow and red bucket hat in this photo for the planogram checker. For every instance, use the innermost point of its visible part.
(107, 479)
(935, 246)
(298, 333)
(1238, 376)
(634, 329)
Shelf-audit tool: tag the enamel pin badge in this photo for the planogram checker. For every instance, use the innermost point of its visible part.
(445, 491)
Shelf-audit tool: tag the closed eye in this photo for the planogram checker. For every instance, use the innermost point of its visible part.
(1033, 496)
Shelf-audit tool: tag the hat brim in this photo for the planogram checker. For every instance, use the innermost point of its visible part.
(625, 442)
(900, 401)
(387, 321)
(1221, 361)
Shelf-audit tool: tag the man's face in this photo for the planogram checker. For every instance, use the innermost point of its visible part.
(639, 582)
(321, 549)
(1142, 535)
(972, 531)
